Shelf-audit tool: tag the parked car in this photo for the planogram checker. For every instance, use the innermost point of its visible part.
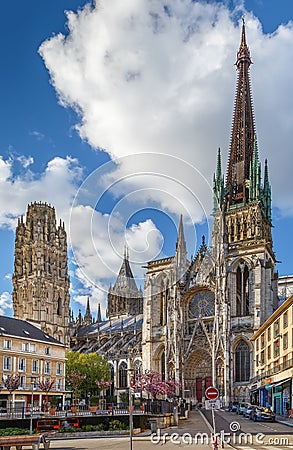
(262, 413)
(249, 410)
(242, 407)
(233, 406)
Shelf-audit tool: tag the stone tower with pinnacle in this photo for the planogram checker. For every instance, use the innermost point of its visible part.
(124, 298)
(246, 281)
(40, 279)
(199, 315)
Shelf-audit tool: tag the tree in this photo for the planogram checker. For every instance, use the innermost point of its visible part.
(46, 386)
(84, 370)
(152, 383)
(11, 383)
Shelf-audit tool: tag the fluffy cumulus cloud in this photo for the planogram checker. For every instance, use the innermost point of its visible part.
(5, 302)
(158, 77)
(57, 185)
(98, 243)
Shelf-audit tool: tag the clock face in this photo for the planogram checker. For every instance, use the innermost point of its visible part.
(202, 304)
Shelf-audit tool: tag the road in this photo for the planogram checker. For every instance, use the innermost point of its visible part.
(248, 435)
(242, 433)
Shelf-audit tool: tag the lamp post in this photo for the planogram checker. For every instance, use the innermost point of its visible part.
(33, 379)
(131, 384)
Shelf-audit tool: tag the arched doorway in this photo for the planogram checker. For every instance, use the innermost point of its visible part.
(198, 374)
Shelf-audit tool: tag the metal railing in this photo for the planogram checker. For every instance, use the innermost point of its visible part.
(276, 369)
(150, 407)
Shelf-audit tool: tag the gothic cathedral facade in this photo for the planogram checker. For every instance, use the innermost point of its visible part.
(40, 279)
(199, 316)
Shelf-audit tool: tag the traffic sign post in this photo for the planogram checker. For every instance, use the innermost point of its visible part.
(212, 393)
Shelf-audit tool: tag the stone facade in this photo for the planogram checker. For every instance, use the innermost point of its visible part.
(199, 315)
(40, 279)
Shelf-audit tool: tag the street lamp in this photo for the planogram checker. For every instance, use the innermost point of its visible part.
(33, 379)
(131, 384)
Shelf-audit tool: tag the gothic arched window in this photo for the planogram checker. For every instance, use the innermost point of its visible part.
(163, 361)
(111, 389)
(163, 307)
(242, 362)
(59, 307)
(123, 375)
(137, 368)
(242, 290)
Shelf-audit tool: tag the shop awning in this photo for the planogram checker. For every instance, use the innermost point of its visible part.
(282, 382)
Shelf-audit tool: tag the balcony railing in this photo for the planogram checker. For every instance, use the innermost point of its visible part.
(28, 387)
(276, 369)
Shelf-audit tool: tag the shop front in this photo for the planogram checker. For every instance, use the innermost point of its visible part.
(282, 397)
(261, 393)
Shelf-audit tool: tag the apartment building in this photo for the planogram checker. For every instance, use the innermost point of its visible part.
(273, 360)
(36, 357)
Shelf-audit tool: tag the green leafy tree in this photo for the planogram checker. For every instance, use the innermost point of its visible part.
(88, 369)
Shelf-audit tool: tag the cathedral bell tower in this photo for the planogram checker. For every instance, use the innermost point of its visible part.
(40, 279)
(242, 239)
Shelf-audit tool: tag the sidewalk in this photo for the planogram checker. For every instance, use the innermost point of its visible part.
(194, 424)
(285, 420)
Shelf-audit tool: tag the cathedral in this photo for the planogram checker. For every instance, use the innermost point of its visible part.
(196, 318)
(199, 316)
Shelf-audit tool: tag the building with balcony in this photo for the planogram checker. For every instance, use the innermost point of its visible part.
(36, 357)
(285, 287)
(273, 360)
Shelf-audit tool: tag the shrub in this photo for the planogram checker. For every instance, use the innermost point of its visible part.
(117, 425)
(89, 427)
(94, 400)
(69, 429)
(13, 431)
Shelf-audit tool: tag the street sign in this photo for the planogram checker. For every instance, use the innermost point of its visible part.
(211, 393)
(131, 381)
(212, 404)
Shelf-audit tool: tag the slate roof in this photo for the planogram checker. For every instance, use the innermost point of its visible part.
(24, 329)
(127, 323)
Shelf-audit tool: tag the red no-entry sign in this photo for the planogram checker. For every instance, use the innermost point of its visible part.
(212, 393)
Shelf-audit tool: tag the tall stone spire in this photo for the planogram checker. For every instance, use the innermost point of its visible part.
(180, 256)
(243, 130)
(124, 297)
(99, 316)
(267, 196)
(218, 184)
(88, 316)
(245, 203)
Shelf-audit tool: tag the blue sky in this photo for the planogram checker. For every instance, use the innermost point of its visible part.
(116, 80)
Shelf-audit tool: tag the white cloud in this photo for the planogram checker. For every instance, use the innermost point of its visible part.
(25, 161)
(152, 77)
(98, 243)
(5, 302)
(57, 185)
(37, 134)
